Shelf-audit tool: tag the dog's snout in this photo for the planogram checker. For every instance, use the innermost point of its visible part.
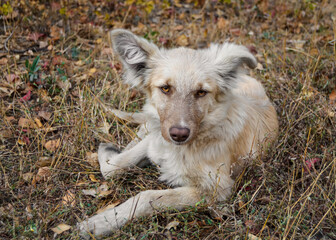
(179, 134)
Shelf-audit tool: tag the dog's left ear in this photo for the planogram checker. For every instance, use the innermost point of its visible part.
(134, 53)
(229, 59)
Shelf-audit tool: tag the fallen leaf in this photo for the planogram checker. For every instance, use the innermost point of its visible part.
(252, 237)
(52, 145)
(43, 44)
(311, 162)
(101, 191)
(222, 23)
(58, 60)
(10, 118)
(25, 123)
(24, 140)
(43, 174)
(79, 63)
(92, 159)
(172, 224)
(21, 142)
(26, 97)
(113, 205)
(260, 66)
(11, 77)
(106, 51)
(35, 36)
(3, 61)
(92, 71)
(56, 33)
(38, 122)
(61, 228)
(332, 95)
(182, 40)
(44, 114)
(65, 85)
(235, 31)
(93, 178)
(105, 128)
(133, 94)
(69, 199)
(179, 27)
(27, 176)
(43, 162)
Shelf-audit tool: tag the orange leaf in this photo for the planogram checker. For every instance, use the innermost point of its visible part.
(52, 145)
(332, 96)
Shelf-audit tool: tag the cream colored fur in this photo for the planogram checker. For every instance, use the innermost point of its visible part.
(232, 122)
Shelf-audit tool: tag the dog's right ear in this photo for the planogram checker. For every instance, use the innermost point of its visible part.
(134, 53)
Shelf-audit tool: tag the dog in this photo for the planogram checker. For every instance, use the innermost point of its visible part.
(203, 119)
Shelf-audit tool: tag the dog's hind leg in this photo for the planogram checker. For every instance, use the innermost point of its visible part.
(111, 160)
(143, 204)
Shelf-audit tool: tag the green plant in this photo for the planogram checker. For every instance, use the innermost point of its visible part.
(32, 69)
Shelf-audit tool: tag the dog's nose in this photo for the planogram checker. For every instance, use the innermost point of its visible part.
(179, 134)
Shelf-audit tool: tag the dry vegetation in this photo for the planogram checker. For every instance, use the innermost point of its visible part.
(52, 120)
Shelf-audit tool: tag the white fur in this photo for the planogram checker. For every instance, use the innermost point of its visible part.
(226, 125)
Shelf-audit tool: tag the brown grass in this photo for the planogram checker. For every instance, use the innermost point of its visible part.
(278, 197)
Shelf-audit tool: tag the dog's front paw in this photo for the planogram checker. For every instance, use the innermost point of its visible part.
(106, 155)
(89, 228)
(100, 225)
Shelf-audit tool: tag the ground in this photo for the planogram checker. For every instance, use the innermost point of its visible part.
(58, 73)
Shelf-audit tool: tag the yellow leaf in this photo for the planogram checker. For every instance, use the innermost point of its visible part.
(79, 63)
(92, 71)
(61, 228)
(21, 142)
(69, 199)
(182, 40)
(113, 205)
(38, 122)
(149, 7)
(93, 178)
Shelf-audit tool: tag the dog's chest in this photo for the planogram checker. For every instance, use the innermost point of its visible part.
(180, 166)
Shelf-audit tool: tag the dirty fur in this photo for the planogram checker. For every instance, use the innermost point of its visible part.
(203, 118)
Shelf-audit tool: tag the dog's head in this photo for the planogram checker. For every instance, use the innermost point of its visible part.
(182, 84)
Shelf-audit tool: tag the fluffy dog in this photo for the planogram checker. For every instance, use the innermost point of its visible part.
(204, 116)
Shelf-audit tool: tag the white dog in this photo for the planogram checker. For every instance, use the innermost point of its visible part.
(203, 117)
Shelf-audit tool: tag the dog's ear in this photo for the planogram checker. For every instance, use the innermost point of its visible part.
(134, 53)
(229, 59)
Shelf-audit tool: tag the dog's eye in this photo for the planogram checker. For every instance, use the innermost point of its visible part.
(165, 89)
(201, 93)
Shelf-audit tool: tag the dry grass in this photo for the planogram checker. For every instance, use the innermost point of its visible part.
(277, 197)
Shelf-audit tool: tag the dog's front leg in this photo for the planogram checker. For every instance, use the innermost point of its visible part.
(111, 160)
(143, 204)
